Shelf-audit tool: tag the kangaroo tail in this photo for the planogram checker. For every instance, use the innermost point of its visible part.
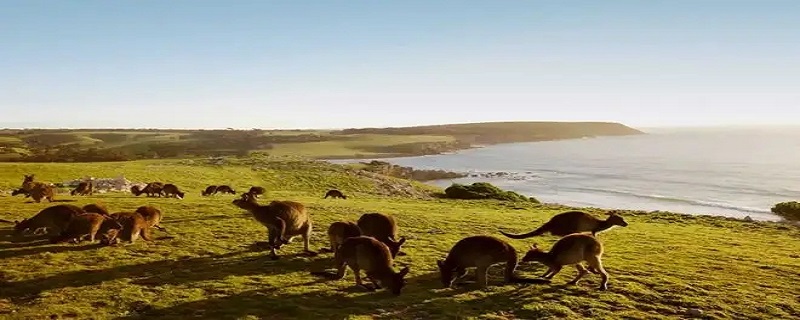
(533, 233)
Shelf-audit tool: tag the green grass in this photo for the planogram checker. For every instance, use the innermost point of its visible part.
(357, 145)
(660, 265)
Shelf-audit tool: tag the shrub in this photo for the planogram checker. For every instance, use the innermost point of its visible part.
(788, 210)
(483, 190)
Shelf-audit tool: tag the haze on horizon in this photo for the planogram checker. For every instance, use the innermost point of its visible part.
(338, 64)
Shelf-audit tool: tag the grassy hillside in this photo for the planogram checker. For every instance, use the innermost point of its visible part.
(117, 145)
(661, 265)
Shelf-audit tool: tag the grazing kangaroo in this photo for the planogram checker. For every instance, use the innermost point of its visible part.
(256, 191)
(372, 256)
(83, 189)
(152, 189)
(480, 252)
(37, 190)
(335, 194)
(152, 215)
(225, 189)
(571, 222)
(172, 190)
(96, 208)
(133, 224)
(571, 249)
(212, 189)
(55, 218)
(87, 225)
(340, 231)
(384, 228)
(284, 220)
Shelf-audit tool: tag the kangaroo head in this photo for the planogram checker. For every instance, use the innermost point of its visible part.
(445, 273)
(397, 281)
(616, 219)
(534, 254)
(394, 246)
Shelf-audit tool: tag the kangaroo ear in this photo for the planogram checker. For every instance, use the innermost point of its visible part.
(404, 272)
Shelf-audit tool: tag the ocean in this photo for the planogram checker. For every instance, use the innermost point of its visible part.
(733, 172)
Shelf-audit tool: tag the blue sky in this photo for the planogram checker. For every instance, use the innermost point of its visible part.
(335, 64)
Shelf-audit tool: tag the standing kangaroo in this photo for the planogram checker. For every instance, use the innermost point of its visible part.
(571, 222)
(480, 252)
(284, 220)
(572, 249)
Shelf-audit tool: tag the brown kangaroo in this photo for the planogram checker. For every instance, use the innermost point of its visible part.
(340, 231)
(225, 189)
(284, 221)
(571, 222)
(83, 189)
(55, 218)
(133, 226)
(152, 189)
(86, 225)
(152, 215)
(172, 190)
(335, 194)
(212, 189)
(372, 256)
(37, 190)
(571, 249)
(384, 228)
(96, 208)
(480, 252)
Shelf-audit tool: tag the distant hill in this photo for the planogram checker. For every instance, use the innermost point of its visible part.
(91, 145)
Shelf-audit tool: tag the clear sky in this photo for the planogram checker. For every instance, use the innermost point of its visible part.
(335, 64)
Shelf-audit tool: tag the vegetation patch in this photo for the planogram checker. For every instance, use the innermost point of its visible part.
(788, 210)
(484, 190)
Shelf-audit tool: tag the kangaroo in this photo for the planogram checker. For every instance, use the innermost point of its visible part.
(86, 225)
(152, 189)
(335, 194)
(372, 256)
(480, 252)
(256, 191)
(384, 228)
(133, 224)
(212, 189)
(340, 231)
(172, 190)
(37, 190)
(225, 189)
(571, 222)
(571, 249)
(96, 208)
(83, 188)
(55, 218)
(152, 215)
(284, 220)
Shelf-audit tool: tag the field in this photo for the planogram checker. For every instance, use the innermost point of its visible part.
(94, 145)
(661, 266)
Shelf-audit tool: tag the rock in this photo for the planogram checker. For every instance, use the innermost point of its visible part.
(748, 219)
(694, 312)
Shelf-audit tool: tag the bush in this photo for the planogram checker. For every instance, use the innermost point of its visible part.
(483, 190)
(788, 210)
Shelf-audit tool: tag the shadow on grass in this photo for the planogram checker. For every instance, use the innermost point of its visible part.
(423, 297)
(45, 247)
(162, 272)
